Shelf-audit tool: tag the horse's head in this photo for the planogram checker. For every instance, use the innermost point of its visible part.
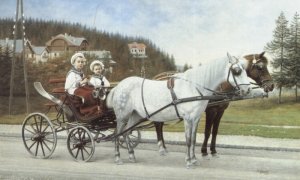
(237, 76)
(256, 69)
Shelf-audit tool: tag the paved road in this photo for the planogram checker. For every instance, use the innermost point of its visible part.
(16, 163)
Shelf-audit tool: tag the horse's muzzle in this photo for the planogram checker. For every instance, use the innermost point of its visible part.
(268, 86)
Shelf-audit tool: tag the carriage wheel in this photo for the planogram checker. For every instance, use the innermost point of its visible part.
(39, 136)
(134, 139)
(81, 144)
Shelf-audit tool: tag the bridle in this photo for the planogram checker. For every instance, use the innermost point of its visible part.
(259, 66)
(235, 71)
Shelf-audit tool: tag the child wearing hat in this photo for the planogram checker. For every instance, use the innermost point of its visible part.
(75, 77)
(97, 79)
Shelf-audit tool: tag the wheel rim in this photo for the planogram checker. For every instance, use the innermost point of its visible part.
(81, 144)
(134, 139)
(39, 136)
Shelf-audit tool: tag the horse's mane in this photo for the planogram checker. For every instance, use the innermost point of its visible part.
(207, 72)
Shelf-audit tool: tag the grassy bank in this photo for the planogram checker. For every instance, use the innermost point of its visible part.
(259, 117)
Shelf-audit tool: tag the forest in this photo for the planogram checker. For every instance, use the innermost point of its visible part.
(38, 32)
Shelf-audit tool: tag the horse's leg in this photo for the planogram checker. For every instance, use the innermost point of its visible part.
(160, 138)
(188, 134)
(133, 119)
(195, 123)
(215, 129)
(210, 115)
(120, 127)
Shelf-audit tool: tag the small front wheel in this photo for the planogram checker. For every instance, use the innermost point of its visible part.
(81, 144)
(39, 135)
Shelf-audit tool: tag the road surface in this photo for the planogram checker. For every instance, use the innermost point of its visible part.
(16, 163)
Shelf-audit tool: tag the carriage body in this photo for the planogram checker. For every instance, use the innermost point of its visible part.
(40, 130)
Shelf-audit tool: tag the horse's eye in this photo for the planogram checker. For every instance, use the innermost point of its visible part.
(236, 71)
(260, 66)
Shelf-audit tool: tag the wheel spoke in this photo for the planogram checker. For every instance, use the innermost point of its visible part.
(42, 147)
(29, 130)
(46, 145)
(32, 145)
(77, 153)
(45, 128)
(49, 141)
(37, 148)
(82, 154)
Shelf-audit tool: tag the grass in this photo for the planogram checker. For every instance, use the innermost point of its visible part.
(257, 117)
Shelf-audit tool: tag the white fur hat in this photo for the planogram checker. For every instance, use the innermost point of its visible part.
(75, 56)
(96, 62)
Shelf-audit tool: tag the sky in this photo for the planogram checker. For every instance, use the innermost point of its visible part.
(193, 31)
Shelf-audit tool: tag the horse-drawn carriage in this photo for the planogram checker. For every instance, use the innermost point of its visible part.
(39, 132)
(132, 105)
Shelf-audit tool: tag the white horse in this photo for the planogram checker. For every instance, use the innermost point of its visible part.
(134, 98)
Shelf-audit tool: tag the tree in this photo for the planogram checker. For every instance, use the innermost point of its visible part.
(293, 49)
(5, 66)
(278, 47)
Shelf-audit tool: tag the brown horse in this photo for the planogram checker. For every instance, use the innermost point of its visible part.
(256, 70)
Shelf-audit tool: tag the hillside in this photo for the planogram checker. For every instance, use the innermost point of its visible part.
(39, 32)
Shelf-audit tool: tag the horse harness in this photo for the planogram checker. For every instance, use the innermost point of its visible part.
(217, 96)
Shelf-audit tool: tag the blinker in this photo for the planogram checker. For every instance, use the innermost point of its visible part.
(236, 71)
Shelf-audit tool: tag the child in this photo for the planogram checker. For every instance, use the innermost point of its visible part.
(75, 77)
(97, 79)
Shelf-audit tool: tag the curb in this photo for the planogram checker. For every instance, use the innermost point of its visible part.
(182, 143)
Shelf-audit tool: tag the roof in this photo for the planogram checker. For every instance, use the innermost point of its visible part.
(39, 49)
(71, 40)
(136, 45)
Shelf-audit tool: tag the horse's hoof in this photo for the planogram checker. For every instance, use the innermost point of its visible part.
(118, 161)
(189, 165)
(163, 152)
(132, 158)
(215, 155)
(195, 162)
(204, 154)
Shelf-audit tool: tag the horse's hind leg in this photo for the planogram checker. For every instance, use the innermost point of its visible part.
(160, 138)
(120, 127)
(133, 119)
(215, 129)
(210, 116)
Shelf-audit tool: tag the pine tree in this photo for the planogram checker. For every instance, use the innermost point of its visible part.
(293, 63)
(278, 47)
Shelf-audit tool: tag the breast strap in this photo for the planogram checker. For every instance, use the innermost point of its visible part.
(170, 85)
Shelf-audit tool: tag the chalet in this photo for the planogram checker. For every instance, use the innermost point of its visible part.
(137, 49)
(65, 44)
(41, 54)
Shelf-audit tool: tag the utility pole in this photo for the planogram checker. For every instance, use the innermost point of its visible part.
(19, 17)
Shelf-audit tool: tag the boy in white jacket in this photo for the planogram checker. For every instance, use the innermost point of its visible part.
(97, 79)
(75, 77)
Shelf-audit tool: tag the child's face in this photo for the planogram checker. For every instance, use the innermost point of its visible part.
(97, 70)
(79, 63)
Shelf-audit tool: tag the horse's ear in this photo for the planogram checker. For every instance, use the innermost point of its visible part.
(231, 59)
(261, 54)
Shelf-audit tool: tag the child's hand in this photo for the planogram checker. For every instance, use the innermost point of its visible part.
(84, 81)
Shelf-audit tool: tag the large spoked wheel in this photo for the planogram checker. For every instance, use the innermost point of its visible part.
(134, 139)
(81, 144)
(39, 136)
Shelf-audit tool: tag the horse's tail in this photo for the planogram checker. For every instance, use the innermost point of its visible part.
(109, 98)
